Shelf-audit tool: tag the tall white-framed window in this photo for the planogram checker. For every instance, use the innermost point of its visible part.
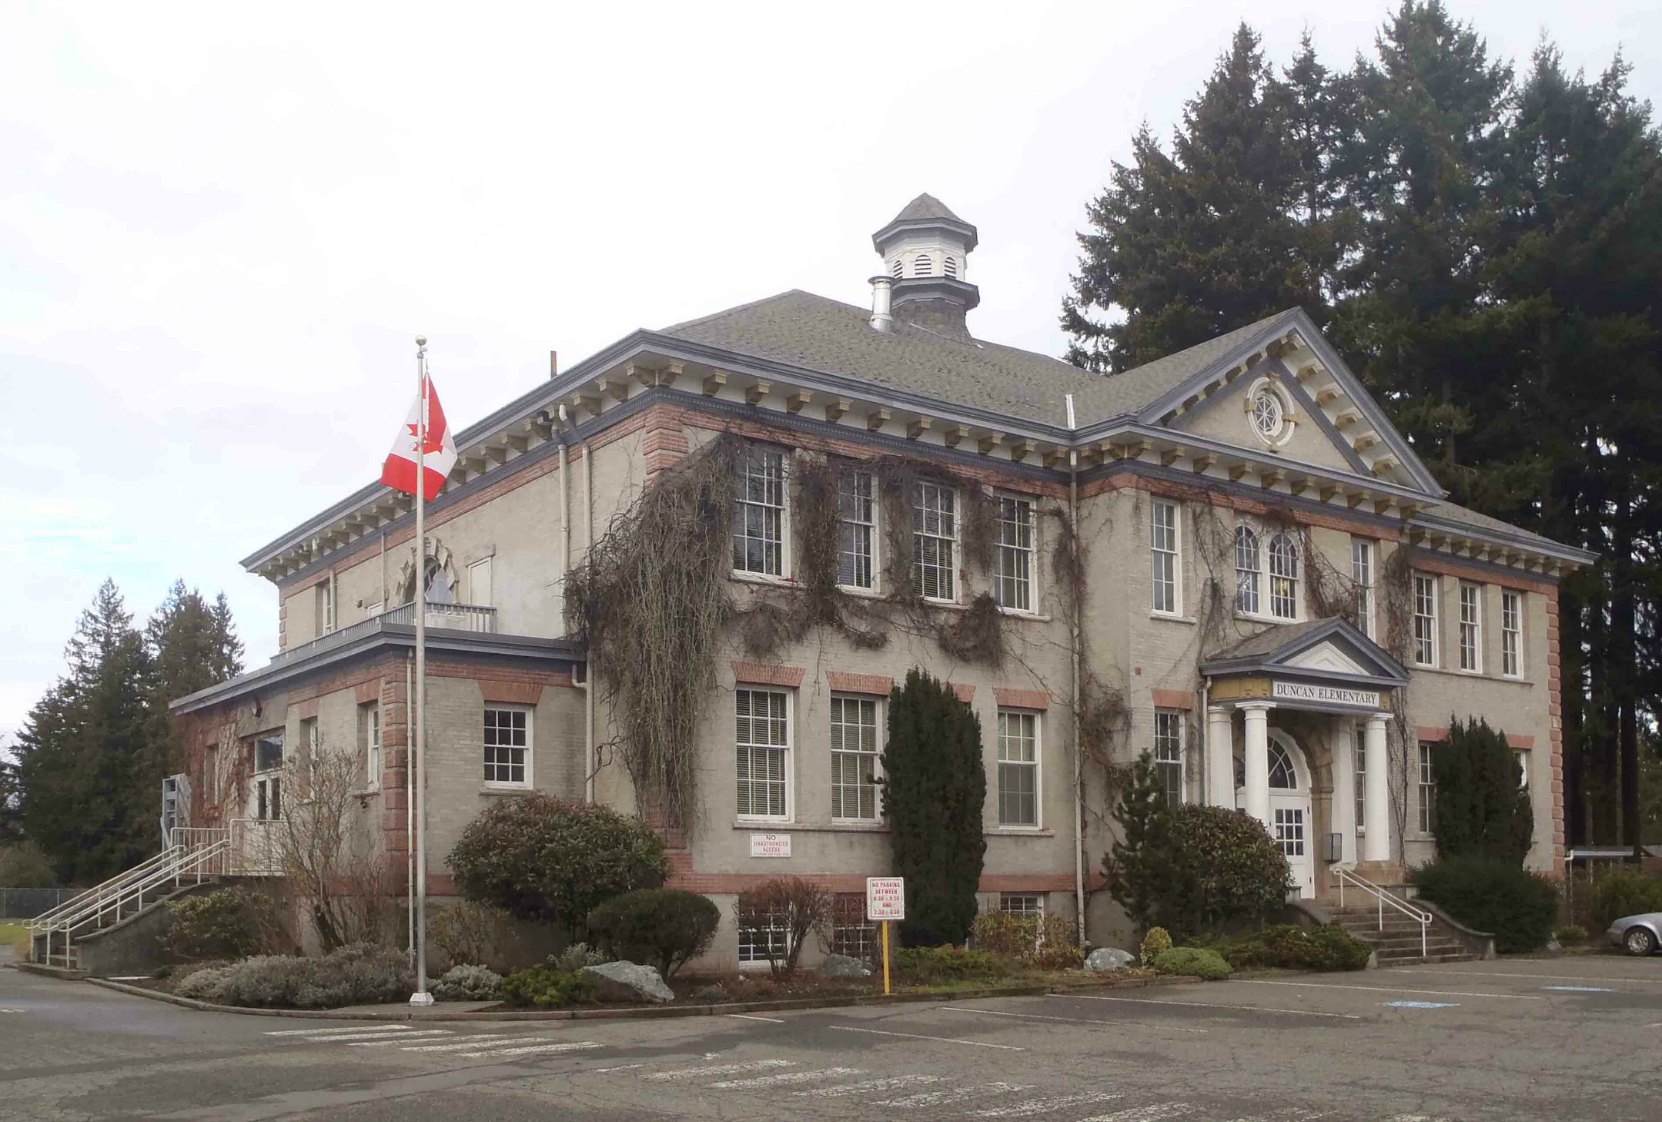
(325, 606)
(268, 780)
(1249, 570)
(1471, 627)
(210, 776)
(1363, 565)
(1013, 575)
(762, 733)
(854, 748)
(507, 746)
(1163, 545)
(1522, 756)
(1425, 619)
(1511, 634)
(935, 541)
(1168, 753)
(1018, 768)
(1428, 791)
(857, 529)
(759, 514)
(481, 583)
(369, 731)
(1284, 576)
(311, 740)
(1359, 769)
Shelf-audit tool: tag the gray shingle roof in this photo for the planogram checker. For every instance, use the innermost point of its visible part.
(1269, 640)
(924, 207)
(1465, 516)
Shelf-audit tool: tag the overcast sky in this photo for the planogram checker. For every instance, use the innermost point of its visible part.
(219, 233)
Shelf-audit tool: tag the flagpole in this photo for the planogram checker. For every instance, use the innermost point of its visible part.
(418, 748)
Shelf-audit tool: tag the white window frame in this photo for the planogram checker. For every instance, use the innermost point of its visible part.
(326, 607)
(1364, 569)
(369, 724)
(1511, 633)
(850, 526)
(752, 747)
(1165, 543)
(1022, 905)
(1168, 755)
(1359, 778)
(1471, 627)
(840, 702)
(1023, 558)
(482, 572)
(753, 956)
(1036, 764)
(1427, 790)
(772, 463)
(311, 740)
(529, 747)
(1249, 582)
(1521, 755)
(922, 515)
(1293, 579)
(1432, 585)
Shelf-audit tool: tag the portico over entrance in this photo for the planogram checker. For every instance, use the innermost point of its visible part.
(1296, 737)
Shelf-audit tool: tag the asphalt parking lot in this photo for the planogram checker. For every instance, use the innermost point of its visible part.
(1566, 1038)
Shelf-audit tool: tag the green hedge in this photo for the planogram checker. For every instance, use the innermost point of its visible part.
(1625, 893)
(1493, 895)
(548, 988)
(218, 924)
(1195, 962)
(357, 974)
(662, 926)
(928, 965)
(1328, 947)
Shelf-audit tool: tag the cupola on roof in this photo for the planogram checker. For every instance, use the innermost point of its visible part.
(926, 252)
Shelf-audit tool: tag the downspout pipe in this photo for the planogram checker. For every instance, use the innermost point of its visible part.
(590, 763)
(1076, 675)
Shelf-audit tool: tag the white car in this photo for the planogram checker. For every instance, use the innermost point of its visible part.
(1640, 934)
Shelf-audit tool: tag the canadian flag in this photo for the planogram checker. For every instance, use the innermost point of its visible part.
(399, 471)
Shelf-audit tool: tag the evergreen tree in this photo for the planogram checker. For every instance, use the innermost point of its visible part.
(193, 645)
(1139, 864)
(1482, 807)
(934, 792)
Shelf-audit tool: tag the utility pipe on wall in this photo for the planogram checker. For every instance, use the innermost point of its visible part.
(591, 765)
(1075, 671)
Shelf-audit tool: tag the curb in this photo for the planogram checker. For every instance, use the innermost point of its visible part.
(634, 1013)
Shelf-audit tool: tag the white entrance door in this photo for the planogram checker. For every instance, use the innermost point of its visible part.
(1290, 819)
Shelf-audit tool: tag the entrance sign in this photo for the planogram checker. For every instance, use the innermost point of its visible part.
(1330, 695)
(885, 898)
(770, 845)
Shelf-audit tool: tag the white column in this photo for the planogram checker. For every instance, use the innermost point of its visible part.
(1344, 787)
(1377, 798)
(1257, 761)
(1220, 758)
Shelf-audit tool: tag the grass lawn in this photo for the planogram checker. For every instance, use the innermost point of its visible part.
(15, 936)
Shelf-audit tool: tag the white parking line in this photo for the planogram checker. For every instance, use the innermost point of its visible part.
(362, 1034)
(473, 1042)
(388, 1042)
(1047, 1105)
(1542, 977)
(340, 1030)
(872, 1086)
(1142, 1113)
(721, 1069)
(951, 1095)
(785, 1078)
(1203, 1005)
(1392, 989)
(937, 1039)
(533, 1049)
(1069, 1020)
(753, 1017)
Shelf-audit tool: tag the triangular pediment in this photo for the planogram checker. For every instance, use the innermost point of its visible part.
(1331, 649)
(1326, 656)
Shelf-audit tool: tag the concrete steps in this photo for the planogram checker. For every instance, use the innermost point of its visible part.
(1397, 941)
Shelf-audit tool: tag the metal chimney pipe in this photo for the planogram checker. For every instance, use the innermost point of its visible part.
(881, 318)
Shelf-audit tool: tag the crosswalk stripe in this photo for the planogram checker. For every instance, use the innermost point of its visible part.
(474, 1042)
(387, 1042)
(366, 1034)
(721, 1069)
(1045, 1106)
(785, 1078)
(952, 1094)
(530, 1049)
(339, 1030)
(871, 1086)
(1143, 1113)
(1286, 1114)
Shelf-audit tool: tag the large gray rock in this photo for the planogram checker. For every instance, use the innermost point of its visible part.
(627, 981)
(1104, 959)
(842, 966)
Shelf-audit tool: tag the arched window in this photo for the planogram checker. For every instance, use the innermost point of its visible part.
(1283, 577)
(1248, 571)
(1282, 775)
(896, 269)
(441, 588)
(923, 266)
(951, 266)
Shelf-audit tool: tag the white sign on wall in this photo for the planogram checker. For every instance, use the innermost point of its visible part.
(885, 898)
(1327, 695)
(770, 845)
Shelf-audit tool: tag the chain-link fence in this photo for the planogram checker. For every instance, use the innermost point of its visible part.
(27, 903)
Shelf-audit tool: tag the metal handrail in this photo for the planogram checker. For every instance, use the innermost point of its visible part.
(180, 861)
(1418, 915)
(104, 888)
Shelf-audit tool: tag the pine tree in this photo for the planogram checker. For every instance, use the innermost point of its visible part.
(1139, 864)
(1482, 808)
(934, 791)
(193, 645)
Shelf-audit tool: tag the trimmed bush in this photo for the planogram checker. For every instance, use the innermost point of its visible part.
(218, 924)
(1156, 943)
(357, 974)
(1571, 933)
(929, 965)
(1328, 947)
(548, 988)
(796, 904)
(472, 934)
(1493, 895)
(468, 983)
(1625, 893)
(664, 927)
(1194, 962)
(576, 956)
(540, 858)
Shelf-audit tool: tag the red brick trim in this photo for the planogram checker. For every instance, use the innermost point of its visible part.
(304, 710)
(1449, 567)
(1520, 740)
(859, 683)
(1008, 698)
(1431, 733)
(1174, 699)
(966, 694)
(365, 692)
(511, 693)
(764, 674)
